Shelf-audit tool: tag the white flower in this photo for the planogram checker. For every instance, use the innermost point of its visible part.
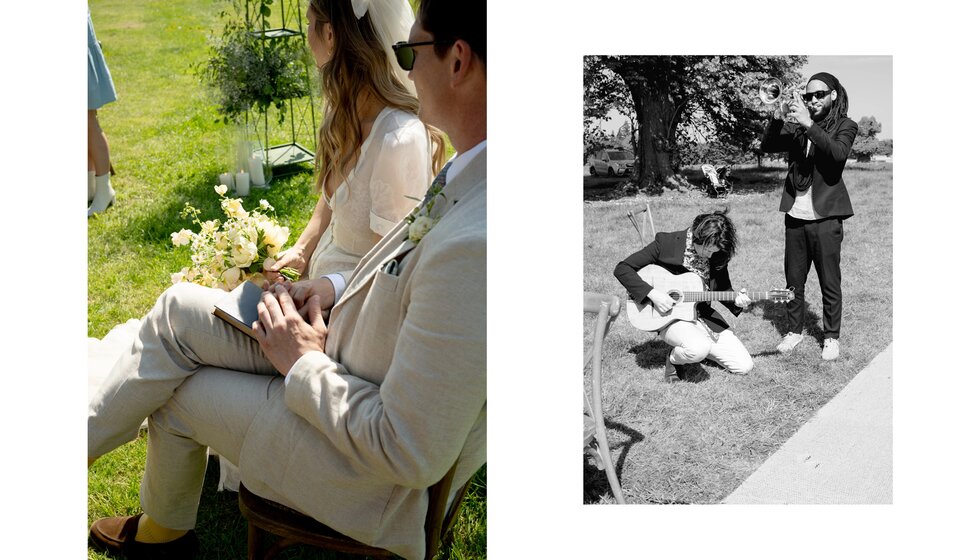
(244, 253)
(231, 278)
(181, 238)
(221, 189)
(419, 227)
(178, 277)
(264, 204)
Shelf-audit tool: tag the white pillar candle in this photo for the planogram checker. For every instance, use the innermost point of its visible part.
(226, 180)
(255, 170)
(241, 183)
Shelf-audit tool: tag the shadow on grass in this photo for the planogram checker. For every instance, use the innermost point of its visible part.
(596, 483)
(224, 533)
(653, 355)
(776, 314)
(156, 225)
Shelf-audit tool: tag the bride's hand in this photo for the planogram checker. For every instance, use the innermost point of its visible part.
(292, 257)
(302, 290)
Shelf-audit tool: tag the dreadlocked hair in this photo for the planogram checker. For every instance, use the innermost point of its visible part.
(716, 229)
(838, 108)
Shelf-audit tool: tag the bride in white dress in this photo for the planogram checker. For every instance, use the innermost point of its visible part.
(375, 158)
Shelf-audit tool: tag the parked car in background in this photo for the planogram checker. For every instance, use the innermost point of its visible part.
(611, 163)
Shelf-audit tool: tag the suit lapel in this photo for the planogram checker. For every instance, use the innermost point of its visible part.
(396, 244)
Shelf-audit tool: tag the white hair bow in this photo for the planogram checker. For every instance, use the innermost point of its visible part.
(360, 7)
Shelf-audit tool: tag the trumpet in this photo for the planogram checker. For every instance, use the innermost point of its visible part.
(773, 91)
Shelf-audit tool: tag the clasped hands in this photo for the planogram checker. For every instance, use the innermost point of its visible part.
(663, 302)
(286, 332)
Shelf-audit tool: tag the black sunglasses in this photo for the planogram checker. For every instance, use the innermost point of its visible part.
(818, 94)
(406, 56)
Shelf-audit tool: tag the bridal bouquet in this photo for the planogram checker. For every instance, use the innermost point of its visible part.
(223, 255)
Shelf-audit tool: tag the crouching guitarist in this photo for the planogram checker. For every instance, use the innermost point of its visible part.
(704, 249)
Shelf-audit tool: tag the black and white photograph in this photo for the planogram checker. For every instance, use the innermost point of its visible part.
(747, 345)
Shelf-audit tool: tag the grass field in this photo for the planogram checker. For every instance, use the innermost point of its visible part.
(696, 442)
(168, 150)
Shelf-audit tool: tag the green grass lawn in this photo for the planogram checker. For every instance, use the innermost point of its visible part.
(167, 150)
(696, 442)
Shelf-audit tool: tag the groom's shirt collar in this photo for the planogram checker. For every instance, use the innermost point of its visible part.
(460, 161)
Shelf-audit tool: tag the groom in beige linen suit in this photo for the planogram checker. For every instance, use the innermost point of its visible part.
(373, 409)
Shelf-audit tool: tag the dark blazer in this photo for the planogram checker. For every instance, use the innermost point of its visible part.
(830, 151)
(667, 250)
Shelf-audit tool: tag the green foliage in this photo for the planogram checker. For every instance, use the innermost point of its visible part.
(251, 71)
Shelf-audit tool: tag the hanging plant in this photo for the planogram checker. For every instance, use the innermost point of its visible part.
(250, 71)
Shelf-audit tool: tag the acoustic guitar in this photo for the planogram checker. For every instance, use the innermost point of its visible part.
(686, 290)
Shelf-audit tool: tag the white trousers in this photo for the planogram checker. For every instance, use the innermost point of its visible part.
(693, 342)
(190, 407)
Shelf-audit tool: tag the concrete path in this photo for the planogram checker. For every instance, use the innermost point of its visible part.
(843, 455)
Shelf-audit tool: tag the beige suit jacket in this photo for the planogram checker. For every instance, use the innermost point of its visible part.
(399, 393)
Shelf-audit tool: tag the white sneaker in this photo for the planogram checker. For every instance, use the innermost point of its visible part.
(831, 349)
(789, 342)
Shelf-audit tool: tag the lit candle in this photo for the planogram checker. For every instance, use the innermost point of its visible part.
(226, 180)
(255, 170)
(241, 183)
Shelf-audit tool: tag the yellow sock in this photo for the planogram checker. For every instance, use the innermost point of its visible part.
(149, 531)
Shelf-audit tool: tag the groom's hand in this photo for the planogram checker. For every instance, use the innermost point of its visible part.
(283, 333)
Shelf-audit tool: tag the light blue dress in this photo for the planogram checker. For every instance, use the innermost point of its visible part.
(100, 88)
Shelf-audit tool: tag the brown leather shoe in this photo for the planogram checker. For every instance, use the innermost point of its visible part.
(118, 535)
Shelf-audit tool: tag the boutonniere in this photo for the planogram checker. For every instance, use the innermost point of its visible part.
(421, 220)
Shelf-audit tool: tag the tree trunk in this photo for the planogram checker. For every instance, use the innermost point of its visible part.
(657, 149)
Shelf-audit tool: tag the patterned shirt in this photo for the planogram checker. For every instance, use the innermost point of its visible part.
(692, 261)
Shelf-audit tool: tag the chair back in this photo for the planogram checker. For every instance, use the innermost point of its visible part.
(439, 526)
(606, 308)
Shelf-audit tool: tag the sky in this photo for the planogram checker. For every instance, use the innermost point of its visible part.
(867, 79)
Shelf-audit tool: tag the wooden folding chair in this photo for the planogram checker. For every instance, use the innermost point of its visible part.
(644, 227)
(606, 309)
(289, 527)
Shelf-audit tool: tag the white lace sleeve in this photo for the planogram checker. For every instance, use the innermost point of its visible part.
(401, 175)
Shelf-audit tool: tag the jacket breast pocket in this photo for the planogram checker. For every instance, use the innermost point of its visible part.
(386, 281)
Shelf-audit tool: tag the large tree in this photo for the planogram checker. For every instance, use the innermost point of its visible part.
(680, 99)
(866, 143)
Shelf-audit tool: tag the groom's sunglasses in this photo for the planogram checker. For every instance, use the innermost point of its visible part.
(406, 56)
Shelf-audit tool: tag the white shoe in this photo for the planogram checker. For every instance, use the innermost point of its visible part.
(104, 195)
(789, 342)
(831, 349)
(91, 186)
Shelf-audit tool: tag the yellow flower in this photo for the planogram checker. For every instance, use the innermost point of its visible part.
(233, 208)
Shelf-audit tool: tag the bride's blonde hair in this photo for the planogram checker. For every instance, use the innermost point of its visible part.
(359, 63)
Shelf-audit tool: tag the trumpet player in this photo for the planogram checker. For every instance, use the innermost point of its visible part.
(813, 128)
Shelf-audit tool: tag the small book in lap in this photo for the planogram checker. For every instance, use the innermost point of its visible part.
(240, 307)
